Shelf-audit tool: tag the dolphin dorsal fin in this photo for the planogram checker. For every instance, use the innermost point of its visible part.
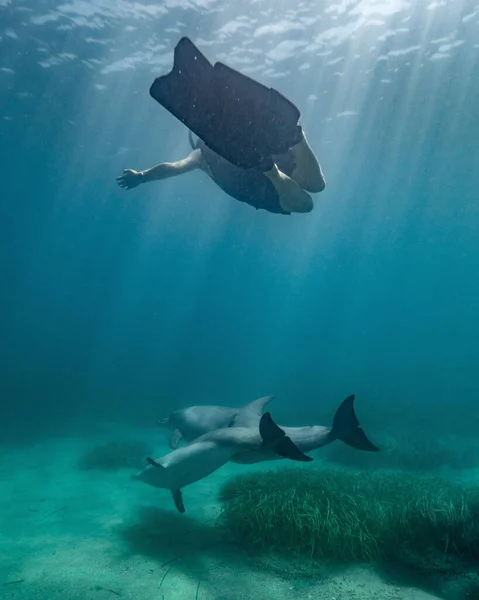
(276, 440)
(257, 406)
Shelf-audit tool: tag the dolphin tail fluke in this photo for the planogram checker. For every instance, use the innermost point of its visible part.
(276, 440)
(347, 429)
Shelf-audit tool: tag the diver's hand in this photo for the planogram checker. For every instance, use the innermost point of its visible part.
(129, 179)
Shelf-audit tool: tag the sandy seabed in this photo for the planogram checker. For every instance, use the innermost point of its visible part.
(77, 535)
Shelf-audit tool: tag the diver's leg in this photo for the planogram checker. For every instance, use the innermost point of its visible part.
(292, 197)
(307, 171)
(131, 179)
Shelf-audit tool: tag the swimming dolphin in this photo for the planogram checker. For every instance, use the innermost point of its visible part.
(192, 422)
(345, 427)
(208, 453)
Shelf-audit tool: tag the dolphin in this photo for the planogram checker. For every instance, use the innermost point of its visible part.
(209, 452)
(194, 421)
(345, 427)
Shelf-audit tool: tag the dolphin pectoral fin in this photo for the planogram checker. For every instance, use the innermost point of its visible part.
(347, 429)
(257, 406)
(275, 438)
(178, 500)
(175, 439)
(231, 422)
(153, 463)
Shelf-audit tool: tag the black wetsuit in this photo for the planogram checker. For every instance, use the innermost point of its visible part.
(246, 185)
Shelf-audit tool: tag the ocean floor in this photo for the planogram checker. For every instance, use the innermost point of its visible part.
(72, 534)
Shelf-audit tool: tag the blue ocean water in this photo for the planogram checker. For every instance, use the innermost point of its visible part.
(120, 306)
(174, 293)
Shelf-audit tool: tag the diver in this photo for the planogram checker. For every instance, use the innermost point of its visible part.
(249, 139)
(283, 189)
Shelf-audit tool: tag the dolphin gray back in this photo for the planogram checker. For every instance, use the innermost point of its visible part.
(195, 421)
(267, 437)
(305, 438)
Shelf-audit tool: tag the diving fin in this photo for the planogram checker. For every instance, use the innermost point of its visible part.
(347, 429)
(275, 438)
(237, 117)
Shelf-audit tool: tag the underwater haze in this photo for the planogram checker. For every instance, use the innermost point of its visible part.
(118, 307)
(123, 303)
(127, 304)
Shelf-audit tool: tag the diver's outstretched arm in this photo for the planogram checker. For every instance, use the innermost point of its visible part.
(131, 179)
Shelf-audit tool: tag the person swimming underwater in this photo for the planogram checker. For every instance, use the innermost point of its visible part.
(249, 141)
